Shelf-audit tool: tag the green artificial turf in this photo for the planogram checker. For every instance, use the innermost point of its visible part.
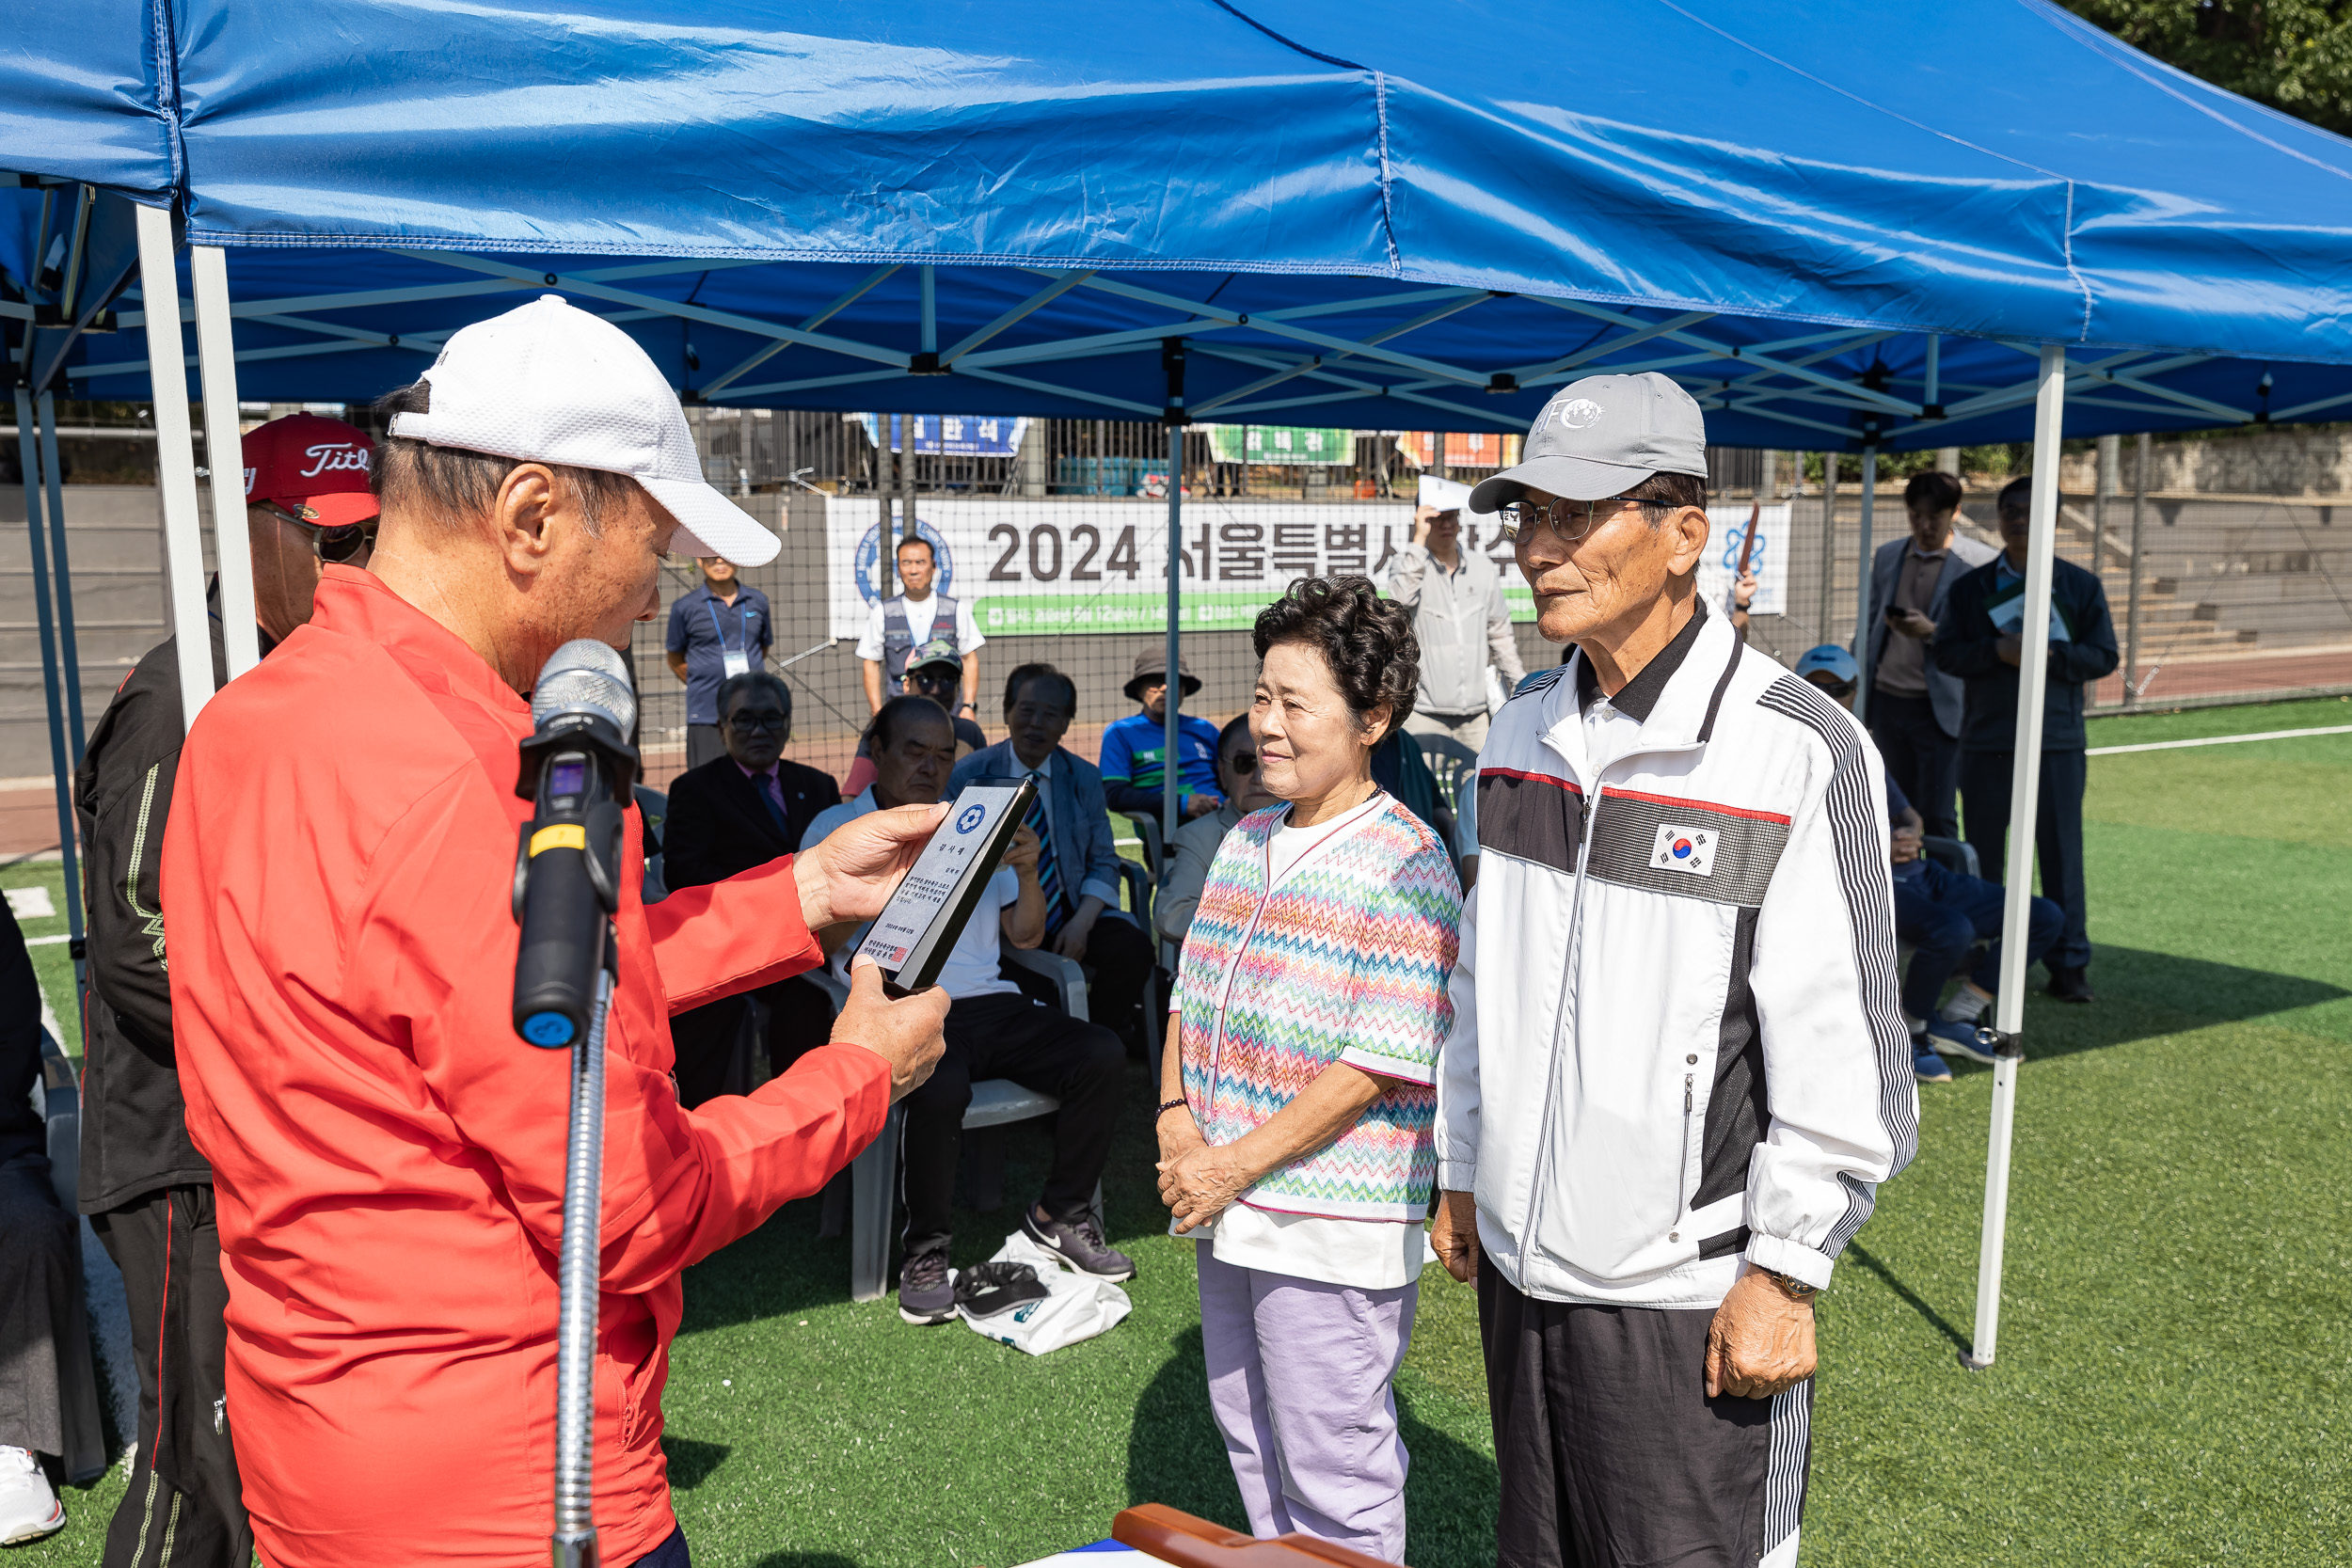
(2172, 1362)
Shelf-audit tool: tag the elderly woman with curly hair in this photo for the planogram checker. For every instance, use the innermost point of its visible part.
(1299, 1100)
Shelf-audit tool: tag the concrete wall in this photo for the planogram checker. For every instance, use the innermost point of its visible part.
(2286, 462)
(114, 542)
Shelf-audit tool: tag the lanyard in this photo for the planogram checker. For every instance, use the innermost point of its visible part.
(742, 625)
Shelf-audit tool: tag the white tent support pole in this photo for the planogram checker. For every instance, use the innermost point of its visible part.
(1862, 586)
(2033, 662)
(175, 458)
(930, 310)
(224, 453)
(69, 645)
(1933, 395)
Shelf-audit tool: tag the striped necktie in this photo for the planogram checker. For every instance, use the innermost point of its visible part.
(1048, 874)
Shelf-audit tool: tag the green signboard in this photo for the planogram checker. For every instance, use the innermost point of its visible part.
(1282, 443)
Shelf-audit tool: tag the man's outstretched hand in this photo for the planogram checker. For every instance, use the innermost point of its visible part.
(851, 874)
(907, 1033)
(1761, 1340)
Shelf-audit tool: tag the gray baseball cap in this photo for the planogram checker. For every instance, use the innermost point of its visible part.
(1599, 436)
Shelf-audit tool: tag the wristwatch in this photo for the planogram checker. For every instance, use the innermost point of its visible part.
(1798, 1289)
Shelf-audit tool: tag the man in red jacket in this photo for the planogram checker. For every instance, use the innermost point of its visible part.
(389, 1156)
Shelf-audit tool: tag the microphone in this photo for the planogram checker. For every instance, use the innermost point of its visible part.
(576, 769)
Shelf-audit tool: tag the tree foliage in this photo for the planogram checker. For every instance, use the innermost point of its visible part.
(2295, 55)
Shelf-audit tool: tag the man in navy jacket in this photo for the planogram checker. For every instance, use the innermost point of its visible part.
(1979, 638)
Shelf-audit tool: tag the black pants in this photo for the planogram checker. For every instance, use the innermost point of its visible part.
(2058, 837)
(1613, 1456)
(1923, 761)
(1040, 1048)
(38, 1304)
(704, 744)
(184, 1495)
(670, 1554)
(800, 1018)
(1118, 960)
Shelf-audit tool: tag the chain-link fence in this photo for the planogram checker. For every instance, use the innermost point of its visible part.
(1057, 526)
(1054, 530)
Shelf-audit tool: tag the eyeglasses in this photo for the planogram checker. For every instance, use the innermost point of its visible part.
(760, 723)
(336, 544)
(1570, 520)
(1243, 764)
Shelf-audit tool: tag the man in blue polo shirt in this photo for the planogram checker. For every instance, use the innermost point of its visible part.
(722, 628)
(1134, 748)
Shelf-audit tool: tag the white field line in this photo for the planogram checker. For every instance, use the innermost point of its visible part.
(2218, 740)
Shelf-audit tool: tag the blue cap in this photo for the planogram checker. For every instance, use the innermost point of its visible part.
(1830, 659)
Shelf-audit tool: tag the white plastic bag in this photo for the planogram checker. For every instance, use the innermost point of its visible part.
(1078, 1307)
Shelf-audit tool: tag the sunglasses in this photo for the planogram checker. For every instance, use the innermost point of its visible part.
(760, 723)
(1243, 764)
(335, 544)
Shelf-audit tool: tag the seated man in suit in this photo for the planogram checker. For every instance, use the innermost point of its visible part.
(734, 812)
(1078, 864)
(994, 1031)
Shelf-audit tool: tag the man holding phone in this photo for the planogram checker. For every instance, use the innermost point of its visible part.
(1914, 707)
(994, 1031)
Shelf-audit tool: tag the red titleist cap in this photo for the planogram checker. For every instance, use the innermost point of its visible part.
(314, 467)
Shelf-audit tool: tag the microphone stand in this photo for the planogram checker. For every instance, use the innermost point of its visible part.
(574, 1542)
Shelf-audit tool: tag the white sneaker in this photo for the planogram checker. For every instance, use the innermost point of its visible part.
(29, 1509)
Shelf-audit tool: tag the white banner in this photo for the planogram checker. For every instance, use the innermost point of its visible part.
(1100, 565)
(1718, 568)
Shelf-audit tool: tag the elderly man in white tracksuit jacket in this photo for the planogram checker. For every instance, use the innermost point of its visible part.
(1678, 1070)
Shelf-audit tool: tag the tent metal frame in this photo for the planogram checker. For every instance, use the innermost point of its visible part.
(1776, 379)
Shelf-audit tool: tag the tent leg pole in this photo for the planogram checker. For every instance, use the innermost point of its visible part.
(175, 455)
(2017, 872)
(224, 453)
(1828, 542)
(1170, 816)
(1861, 587)
(27, 446)
(69, 646)
(2130, 613)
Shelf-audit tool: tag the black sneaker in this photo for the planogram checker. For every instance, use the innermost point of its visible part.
(2071, 984)
(985, 1289)
(1080, 1244)
(924, 1297)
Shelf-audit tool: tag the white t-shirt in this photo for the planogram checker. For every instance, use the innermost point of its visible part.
(971, 968)
(921, 617)
(1368, 1254)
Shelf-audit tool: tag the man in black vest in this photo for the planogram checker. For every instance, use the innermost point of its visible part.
(726, 817)
(917, 617)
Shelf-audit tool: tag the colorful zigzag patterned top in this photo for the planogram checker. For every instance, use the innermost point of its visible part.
(1346, 962)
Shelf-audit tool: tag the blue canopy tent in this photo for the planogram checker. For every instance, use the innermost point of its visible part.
(1368, 214)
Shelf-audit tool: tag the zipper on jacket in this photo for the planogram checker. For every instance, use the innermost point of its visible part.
(1590, 802)
(1682, 1172)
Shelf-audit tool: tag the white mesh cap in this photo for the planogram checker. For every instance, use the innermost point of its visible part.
(549, 382)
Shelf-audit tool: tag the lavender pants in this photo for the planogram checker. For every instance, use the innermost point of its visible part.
(1300, 1377)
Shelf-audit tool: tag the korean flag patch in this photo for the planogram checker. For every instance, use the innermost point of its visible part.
(1680, 848)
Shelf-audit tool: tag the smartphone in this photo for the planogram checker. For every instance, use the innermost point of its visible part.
(918, 928)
